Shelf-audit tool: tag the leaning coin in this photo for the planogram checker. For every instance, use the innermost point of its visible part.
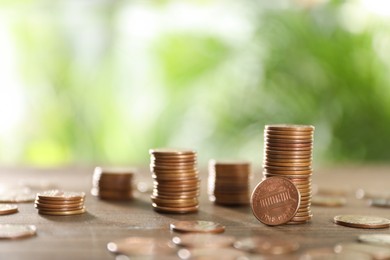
(266, 245)
(197, 226)
(275, 201)
(60, 195)
(359, 221)
(14, 231)
(203, 240)
(141, 246)
(6, 209)
(377, 239)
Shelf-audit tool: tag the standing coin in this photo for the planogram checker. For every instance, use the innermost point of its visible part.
(275, 201)
(198, 226)
(358, 221)
(266, 245)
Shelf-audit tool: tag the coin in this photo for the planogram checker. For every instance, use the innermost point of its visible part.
(376, 252)
(328, 201)
(141, 246)
(211, 253)
(59, 195)
(383, 203)
(62, 213)
(203, 240)
(359, 221)
(275, 201)
(14, 231)
(290, 127)
(6, 209)
(266, 245)
(197, 226)
(324, 253)
(376, 239)
(175, 210)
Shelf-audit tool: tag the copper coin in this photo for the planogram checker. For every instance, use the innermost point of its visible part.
(15, 231)
(288, 153)
(286, 160)
(178, 195)
(288, 149)
(62, 213)
(197, 226)
(301, 219)
(160, 201)
(58, 195)
(295, 141)
(203, 240)
(180, 210)
(287, 164)
(167, 177)
(229, 163)
(289, 146)
(328, 201)
(359, 221)
(266, 245)
(171, 151)
(288, 135)
(6, 209)
(58, 209)
(275, 201)
(58, 206)
(141, 246)
(290, 127)
(58, 202)
(173, 160)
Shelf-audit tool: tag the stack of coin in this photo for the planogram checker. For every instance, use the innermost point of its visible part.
(176, 180)
(113, 183)
(60, 203)
(288, 153)
(228, 182)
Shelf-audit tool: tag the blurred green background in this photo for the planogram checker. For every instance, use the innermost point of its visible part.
(87, 82)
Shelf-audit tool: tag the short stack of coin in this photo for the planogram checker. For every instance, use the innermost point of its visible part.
(176, 180)
(60, 203)
(288, 153)
(113, 183)
(228, 182)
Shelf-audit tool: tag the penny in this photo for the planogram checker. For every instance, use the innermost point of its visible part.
(266, 245)
(359, 221)
(376, 252)
(62, 213)
(211, 254)
(287, 136)
(290, 127)
(375, 239)
(59, 195)
(65, 209)
(141, 246)
(6, 209)
(275, 201)
(197, 226)
(15, 231)
(175, 210)
(328, 201)
(287, 164)
(203, 240)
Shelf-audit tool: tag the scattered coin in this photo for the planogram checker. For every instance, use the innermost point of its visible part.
(376, 239)
(328, 201)
(275, 201)
(198, 226)
(266, 245)
(211, 254)
(6, 209)
(15, 231)
(376, 252)
(142, 246)
(359, 221)
(59, 195)
(60, 203)
(203, 240)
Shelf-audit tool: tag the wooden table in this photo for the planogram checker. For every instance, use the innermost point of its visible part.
(86, 236)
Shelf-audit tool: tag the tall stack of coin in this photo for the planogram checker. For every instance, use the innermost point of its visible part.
(176, 180)
(288, 153)
(113, 183)
(228, 182)
(60, 203)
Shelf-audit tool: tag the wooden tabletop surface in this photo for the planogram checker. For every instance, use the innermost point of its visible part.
(86, 236)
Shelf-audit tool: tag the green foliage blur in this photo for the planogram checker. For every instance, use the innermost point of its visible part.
(105, 81)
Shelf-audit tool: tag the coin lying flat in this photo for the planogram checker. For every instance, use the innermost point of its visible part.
(198, 226)
(358, 221)
(211, 254)
(141, 246)
(324, 253)
(266, 245)
(376, 252)
(376, 239)
(15, 231)
(275, 201)
(6, 209)
(60, 195)
(203, 240)
(62, 213)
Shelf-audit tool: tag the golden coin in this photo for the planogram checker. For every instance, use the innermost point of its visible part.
(58, 209)
(201, 240)
(6, 209)
(301, 219)
(275, 201)
(198, 226)
(180, 210)
(62, 213)
(142, 246)
(359, 221)
(328, 201)
(266, 245)
(58, 195)
(16, 231)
